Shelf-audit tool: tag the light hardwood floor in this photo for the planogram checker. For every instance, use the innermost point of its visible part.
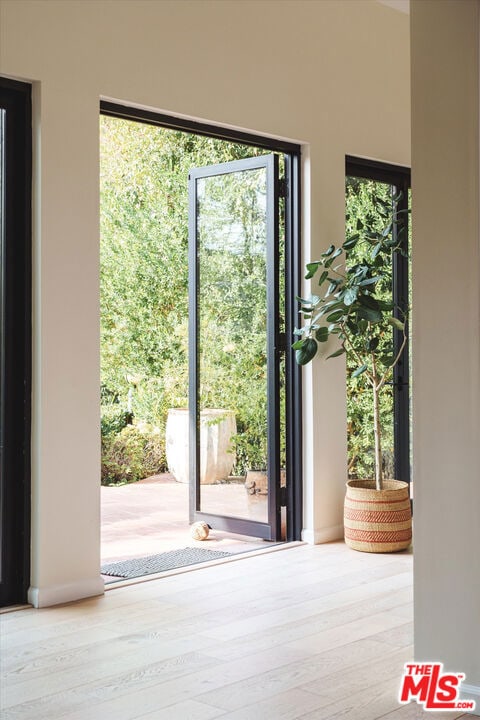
(310, 633)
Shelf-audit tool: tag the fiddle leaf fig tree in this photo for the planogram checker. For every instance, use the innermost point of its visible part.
(353, 303)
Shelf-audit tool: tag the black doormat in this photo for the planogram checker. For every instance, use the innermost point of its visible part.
(137, 567)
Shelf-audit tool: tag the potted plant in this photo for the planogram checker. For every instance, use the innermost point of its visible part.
(352, 304)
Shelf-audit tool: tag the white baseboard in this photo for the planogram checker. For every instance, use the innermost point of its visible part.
(56, 594)
(471, 692)
(316, 537)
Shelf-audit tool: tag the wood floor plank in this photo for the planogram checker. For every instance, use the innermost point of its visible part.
(325, 639)
(77, 698)
(312, 674)
(283, 706)
(318, 614)
(412, 711)
(399, 636)
(387, 665)
(188, 710)
(279, 635)
(99, 662)
(369, 704)
(175, 691)
(405, 610)
(78, 619)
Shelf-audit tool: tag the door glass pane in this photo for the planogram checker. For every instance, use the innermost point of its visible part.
(232, 343)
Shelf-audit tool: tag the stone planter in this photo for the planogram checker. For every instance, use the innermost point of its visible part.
(217, 427)
(256, 482)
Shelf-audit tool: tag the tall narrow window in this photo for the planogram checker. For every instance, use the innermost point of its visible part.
(369, 187)
(15, 343)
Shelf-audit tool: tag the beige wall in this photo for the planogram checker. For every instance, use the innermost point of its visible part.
(446, 281)
(332, 74)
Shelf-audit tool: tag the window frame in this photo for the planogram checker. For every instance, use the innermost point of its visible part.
(399, 177)
(16, 328)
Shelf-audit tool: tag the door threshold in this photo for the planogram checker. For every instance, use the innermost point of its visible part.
(14, 608)
(199, 566)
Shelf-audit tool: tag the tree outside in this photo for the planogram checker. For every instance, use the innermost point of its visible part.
(365, 202)
(144, 296)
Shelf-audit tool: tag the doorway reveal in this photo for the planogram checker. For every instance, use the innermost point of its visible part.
(233, 246)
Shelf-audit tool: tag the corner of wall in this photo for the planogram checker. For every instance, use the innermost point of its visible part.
(329, 534)
(41, 597)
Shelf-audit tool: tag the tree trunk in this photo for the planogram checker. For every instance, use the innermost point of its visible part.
(377, 431)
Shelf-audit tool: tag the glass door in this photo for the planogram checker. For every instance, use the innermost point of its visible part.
(236, 315)
(15, 339)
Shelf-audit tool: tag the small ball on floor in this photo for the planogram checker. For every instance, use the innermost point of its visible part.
(199, 530)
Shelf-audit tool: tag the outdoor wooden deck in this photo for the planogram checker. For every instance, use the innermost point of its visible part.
(151, 516)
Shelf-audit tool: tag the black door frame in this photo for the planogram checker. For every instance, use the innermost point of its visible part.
(271, 529)
(16, 344)
(400, 178)
(293, 498)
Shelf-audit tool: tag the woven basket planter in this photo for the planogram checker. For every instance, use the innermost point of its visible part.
(377, 521)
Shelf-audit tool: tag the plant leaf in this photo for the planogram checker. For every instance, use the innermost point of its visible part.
(322, 277)
(322, 334)
(307, 351)
(337, 353)
(384, 305)
(396, 323)
(369, 302)
(351, 242)
(350, 296)
(370, 281)
(303, 301)
(373, 316)
(359, 371)
(387, 360)
(298, 344)
(335, 316)
(312, 268)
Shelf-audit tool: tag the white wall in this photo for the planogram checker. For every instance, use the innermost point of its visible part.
(333, 74)
(446, 334)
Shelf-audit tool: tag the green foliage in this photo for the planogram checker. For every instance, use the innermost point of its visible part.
(356, 308)
(361, 205)
(132, 454)
(113, 419)
(250, 442)
(144, 280)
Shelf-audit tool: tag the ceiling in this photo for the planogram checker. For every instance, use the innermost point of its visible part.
(401, 5)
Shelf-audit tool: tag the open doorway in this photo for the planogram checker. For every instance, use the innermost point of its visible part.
(197, 288)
